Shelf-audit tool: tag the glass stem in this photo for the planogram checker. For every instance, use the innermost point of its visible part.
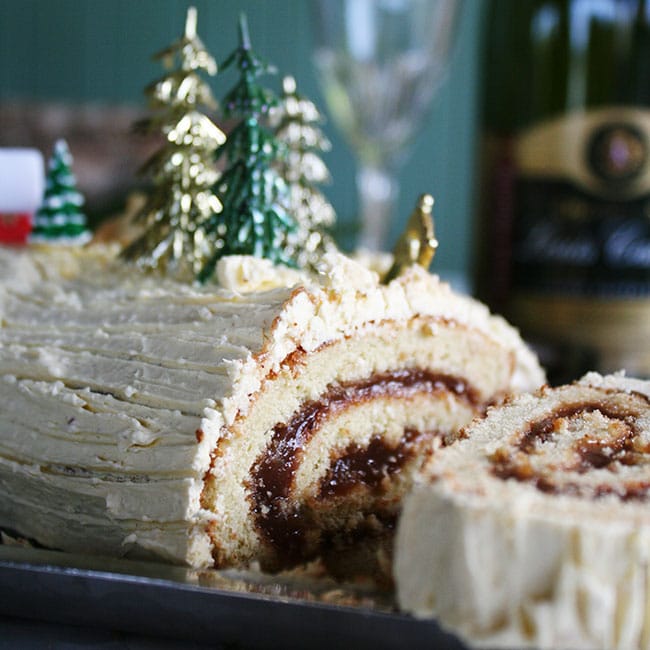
(377, 189)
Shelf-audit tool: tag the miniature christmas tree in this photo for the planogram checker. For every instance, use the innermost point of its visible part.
(60, 219)
(298, 126)
(254, 220)
(183, 171)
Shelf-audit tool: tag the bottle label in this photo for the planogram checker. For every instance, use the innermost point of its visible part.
(579, 246)
(582, 221)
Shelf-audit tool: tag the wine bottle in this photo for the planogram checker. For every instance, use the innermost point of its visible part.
(563, 232)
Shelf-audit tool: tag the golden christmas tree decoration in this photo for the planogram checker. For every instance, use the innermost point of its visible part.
(183, 171)
(418, 243)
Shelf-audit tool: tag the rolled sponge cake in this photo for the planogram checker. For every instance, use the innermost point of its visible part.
(264, 417)
(533, 530)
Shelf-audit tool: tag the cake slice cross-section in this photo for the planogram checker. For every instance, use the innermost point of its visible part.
(533, 530)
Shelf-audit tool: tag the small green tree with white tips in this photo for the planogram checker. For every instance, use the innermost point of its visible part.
(60, 218)
(254, 220)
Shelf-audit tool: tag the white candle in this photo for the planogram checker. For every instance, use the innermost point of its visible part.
(22, 180)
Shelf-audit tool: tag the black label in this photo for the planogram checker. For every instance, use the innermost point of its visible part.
(569, 242)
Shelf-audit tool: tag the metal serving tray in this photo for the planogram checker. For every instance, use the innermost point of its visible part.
(224, 608)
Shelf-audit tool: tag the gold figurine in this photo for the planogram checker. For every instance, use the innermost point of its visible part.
(418, 243)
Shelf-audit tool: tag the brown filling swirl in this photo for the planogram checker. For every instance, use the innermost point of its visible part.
(368, 466)
(622, 446)
(286, 527)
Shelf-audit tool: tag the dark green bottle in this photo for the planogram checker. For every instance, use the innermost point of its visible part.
(563, 229)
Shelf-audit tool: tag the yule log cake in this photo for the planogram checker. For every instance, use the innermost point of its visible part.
(264, 417)
(534, 530)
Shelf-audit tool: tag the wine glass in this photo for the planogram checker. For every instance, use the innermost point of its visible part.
(380, 63)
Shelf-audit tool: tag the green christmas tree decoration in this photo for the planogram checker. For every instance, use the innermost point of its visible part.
(183, 171)
(254, 219)
(60, 218)
(247, 97)
(298, 125)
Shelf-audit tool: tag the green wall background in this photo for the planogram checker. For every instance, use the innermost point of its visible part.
(100, 51)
